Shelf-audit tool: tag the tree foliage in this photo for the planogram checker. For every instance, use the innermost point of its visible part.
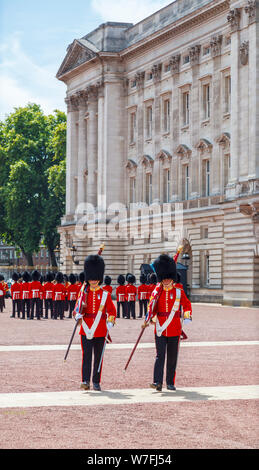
(32, 162)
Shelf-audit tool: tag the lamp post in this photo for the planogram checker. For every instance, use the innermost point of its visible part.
(185, 260)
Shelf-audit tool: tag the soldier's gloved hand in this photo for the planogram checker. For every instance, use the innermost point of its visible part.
(78, 316)
(109, 325)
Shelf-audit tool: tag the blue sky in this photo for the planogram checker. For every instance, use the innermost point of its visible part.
(34, 35)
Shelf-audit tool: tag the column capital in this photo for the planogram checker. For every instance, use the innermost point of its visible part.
(215, 44)
(250, 9)
(194, 53)
(175, 64)
(72, 103)
(234, 19)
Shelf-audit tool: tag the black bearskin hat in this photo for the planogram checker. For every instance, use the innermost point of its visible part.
(127, 275)
(15, 277)
(131, 278)
(94, 268)
(121, 279)
(107, 280)
(59, 277)
(35, 275)
(72, 278)
(179, 279)
(26, 277)
(81, 277)
(143, 278)
(152, 278)
(165, 268)
(49, 277)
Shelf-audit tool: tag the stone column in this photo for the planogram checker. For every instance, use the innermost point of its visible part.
(250, 58)
(234, 20)
(101, 170)
(82, 150)
(216, 114)
(175, 69)
(71, 154)
(92, 145)
(194, 53)
(156, 71)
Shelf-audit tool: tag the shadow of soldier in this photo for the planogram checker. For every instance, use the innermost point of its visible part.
(189, 395)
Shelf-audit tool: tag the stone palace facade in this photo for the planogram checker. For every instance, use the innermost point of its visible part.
(162, 120)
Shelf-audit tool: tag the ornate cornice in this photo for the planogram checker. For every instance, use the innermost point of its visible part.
(185, 24)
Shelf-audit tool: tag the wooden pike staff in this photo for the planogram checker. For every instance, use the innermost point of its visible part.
(78, 307)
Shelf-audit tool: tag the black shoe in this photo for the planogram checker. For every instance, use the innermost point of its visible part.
(153, 385)
(171, 387)
(97, 387)
(85, 385)
(159, 387)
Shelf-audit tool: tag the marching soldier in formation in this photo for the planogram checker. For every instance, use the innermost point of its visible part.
(165, 306)
(121, 296)
(97, 316)
(143, 295)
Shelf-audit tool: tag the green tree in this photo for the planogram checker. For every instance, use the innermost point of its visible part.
(30, 145)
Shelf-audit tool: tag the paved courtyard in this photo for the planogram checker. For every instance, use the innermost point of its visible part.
(215, 405)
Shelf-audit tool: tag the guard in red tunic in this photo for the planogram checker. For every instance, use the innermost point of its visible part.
(143, 297)
(72, 293)
(131, 293)
(107, 284)
(36, 289)
(59, 296)
(26, 295)
(97, 317)
(121, 296)
(48, 289)
(165, 305)
(2, 293)
(16, 295)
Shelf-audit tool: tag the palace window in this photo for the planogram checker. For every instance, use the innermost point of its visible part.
(186, 108)
(132, 190)
(166, 115)
(206, 178)
(206, 89)
(132, 128)
(166, 184)
(149, 117)
(186, 182)
(207, 269)
(227, 94)
(149, 188)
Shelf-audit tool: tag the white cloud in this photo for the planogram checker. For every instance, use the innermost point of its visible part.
(22, 80)
(127, 11)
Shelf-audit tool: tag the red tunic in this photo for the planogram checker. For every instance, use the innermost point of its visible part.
(131, 292)
(72, 291)
(26, 290)
(91, 304)
(59, 292)
(108, 289)
(48, 288)
(164, 307)
(16, 291)
(143, 292)
(121, 293)
(36, 289)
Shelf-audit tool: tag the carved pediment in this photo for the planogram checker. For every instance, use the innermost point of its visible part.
(79, 52)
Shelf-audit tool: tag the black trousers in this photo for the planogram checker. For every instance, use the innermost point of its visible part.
(72, 304)
(122, 306)
(166, 346)
(36, 303)
(1, 303)
(16, 307)
(26, 305)
(59, 309)
(90, 346)
(48, 306)
(131, 309)
(142, 306)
